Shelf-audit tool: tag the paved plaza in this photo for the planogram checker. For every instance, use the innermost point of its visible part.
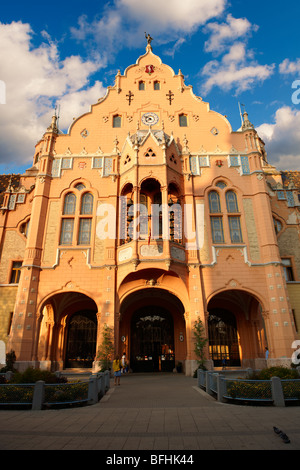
(154, 412)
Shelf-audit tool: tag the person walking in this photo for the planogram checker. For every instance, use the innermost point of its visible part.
(117, 370)
(266, 353)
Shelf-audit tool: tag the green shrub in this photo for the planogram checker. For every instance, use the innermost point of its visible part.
(281, 372)
(32, 375)
(10, 361)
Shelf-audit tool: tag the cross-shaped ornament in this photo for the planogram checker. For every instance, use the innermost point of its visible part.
(170, 96)
(129, 97)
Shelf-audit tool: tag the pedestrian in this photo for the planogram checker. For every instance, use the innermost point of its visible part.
(117, 370)
(224, 363)
(266, 353)
(124, 363)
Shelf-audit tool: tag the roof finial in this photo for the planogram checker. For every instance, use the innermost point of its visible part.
(149, 40)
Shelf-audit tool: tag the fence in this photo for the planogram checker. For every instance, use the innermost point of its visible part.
(40, 395)
(224, 388)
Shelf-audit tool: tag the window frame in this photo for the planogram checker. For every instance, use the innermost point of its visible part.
(15, 272)
(232, 229)
(68, 205)
(82, 231)
(63, 231)
(117, 121)
(183, 123)
(235, 207)
(213, 232)
(288, 270)
(211, 202)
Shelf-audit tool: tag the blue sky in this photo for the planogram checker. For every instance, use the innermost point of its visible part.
(69, 52)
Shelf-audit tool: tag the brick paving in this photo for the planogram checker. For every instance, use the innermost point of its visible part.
(155, 412)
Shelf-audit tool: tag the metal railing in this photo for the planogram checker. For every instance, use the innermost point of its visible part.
(41, 395)
(224, 388)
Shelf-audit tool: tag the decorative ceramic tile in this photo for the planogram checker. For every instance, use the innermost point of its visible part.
(107, 166)
(290, 198)
(194, 166)
(97, 162)
(234, 160)
(245, 165)
(203, 161)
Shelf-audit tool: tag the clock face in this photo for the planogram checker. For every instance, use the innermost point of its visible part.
(150, 119)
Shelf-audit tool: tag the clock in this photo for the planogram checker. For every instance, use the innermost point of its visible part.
(150, 119)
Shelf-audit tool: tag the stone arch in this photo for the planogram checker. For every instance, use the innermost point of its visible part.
(153, 277)
(152, 330)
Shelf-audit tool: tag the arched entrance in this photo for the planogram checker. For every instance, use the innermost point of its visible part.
(152, 330)
(152, 340)
(236, 329)
(81, 339)
(67, 331)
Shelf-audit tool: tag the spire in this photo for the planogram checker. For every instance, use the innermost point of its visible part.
(54, 124)
(246, 123)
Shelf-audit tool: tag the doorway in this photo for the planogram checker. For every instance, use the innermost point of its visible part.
(223, 338)
(81, 340)
(152, 340)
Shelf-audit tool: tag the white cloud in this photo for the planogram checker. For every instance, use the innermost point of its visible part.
(224, 33)
(175, 14)
(125, 21)
(236, 71)
(289, 67)
(35, 79)
(282, 139)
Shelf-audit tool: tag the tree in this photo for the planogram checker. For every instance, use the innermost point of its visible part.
(106, 349)
(200, 342)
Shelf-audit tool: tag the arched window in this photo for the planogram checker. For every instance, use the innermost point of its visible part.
(142, 85)
(214, 202)
(87, 204)
(85, 223)
(277, 225)
(156, 85)
(117, 121)
(71, 215)
(216, 222)
(234, 222)
(231, 202)
(70, 204)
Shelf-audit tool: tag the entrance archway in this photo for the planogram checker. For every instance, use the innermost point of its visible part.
(236, 328)
(152, 330)
(67, 331)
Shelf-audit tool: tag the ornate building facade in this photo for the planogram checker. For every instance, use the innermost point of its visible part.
(148, 214)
